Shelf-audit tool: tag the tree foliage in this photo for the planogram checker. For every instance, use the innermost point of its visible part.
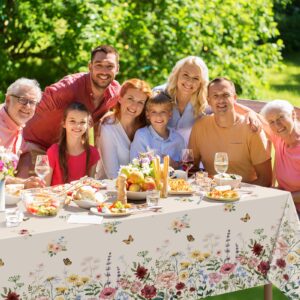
(49, 39)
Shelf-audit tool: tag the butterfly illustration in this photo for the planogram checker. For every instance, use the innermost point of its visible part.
(246, 218)
(67, 261)
(1, 262)
(129, 240)
(190, 238)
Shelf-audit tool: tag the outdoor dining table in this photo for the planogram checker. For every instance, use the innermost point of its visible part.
(190, 249)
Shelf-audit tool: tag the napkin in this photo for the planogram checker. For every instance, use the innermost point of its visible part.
(85, 219)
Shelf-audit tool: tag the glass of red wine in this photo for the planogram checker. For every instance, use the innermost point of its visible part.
(187, 160)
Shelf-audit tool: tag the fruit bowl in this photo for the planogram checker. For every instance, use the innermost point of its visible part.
(41, 203)
(228, 179)
(13, 193)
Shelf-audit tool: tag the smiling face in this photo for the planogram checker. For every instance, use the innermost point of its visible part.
(221, 97)
(21, 113)
(132, 103)
(281, 123)
(103, 69)
(159, 115)
(189, 79)
(76, 123)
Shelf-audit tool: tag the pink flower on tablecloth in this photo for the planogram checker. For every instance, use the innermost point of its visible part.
(149, 291)
(281, 263)
(214, 278)
(1, 165)
(257, 249)
(136, 287)
(166, 279)
(227, 268)
(242, 259)
(252, 262)
(286, 277)
(282, 248)
(263, 267)
(124, 283)
(141, 272)
(107, 293)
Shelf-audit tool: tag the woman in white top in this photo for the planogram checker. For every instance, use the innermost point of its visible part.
(117, 131)
(187, 86)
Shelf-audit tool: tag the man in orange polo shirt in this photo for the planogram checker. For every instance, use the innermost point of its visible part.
(227, 131)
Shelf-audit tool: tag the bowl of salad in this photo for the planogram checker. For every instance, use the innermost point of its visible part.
(41, 203)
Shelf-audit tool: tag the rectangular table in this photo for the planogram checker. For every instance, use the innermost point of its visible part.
(191, 249)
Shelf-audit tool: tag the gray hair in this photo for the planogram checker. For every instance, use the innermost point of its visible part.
(281, 105)
(25, 83)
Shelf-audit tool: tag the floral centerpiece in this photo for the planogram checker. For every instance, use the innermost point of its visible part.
(140, 173)
(8, 163)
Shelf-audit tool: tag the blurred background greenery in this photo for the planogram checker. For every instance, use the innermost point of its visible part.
(239, 39)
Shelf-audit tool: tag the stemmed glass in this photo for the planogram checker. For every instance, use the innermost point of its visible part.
(187, 159)
(42, 167)
(221, 162)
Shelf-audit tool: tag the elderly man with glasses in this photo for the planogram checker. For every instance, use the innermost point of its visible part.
(21, 99)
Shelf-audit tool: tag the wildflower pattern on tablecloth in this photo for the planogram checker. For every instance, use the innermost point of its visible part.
(191, 274)
(111, 227)
(56, 246)
(179, 224)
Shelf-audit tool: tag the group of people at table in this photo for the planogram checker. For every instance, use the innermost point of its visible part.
(186, 112)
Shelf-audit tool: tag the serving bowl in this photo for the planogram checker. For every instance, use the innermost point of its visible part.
(228, 179)
(136, 195)
(13, 193)
(41, 203)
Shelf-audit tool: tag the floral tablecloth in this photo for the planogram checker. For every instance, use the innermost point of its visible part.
(192, 249)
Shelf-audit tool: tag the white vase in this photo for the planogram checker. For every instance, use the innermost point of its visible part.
(2, 195)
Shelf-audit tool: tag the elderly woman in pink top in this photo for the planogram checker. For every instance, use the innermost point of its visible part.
(284, 133)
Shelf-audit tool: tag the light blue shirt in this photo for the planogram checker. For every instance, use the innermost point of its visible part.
(147, 138)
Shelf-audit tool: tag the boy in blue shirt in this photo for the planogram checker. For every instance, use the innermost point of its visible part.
(157, 136)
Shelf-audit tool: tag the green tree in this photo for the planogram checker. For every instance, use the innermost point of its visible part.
(47, 40)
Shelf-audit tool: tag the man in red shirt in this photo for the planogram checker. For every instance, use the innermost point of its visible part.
(96, 90)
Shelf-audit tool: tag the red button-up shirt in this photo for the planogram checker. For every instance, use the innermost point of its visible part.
(44, 128)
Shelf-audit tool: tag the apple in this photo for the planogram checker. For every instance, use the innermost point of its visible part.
(134, 187)
(148, 184)
(135, 177)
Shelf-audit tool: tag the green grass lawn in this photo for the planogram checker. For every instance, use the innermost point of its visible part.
(250, 294)
(283, 82)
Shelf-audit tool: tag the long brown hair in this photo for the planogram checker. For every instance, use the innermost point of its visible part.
(62, 144)
(140, 85)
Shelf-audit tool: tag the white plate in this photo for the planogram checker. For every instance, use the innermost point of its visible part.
(95, 211)
(222, 199)
(86, 203)
(136, 195)
(181, 192)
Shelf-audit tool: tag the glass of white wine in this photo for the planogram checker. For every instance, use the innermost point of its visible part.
(221, 162)
(42, 167)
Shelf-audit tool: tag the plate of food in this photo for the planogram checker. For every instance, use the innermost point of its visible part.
(87, 197)
(13, 193)
(179, 186)
(223, 193)
(112, 210)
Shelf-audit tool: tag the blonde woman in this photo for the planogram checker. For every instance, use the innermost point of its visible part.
(187, 86)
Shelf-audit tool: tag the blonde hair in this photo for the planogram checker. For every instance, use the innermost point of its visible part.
(199, 98)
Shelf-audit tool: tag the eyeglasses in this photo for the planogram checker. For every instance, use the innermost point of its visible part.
(25, 101)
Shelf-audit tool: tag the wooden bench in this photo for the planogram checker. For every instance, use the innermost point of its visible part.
(258, 105)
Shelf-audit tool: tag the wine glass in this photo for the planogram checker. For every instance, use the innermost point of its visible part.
(42, 167)
(187, 159)
(221, 162)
